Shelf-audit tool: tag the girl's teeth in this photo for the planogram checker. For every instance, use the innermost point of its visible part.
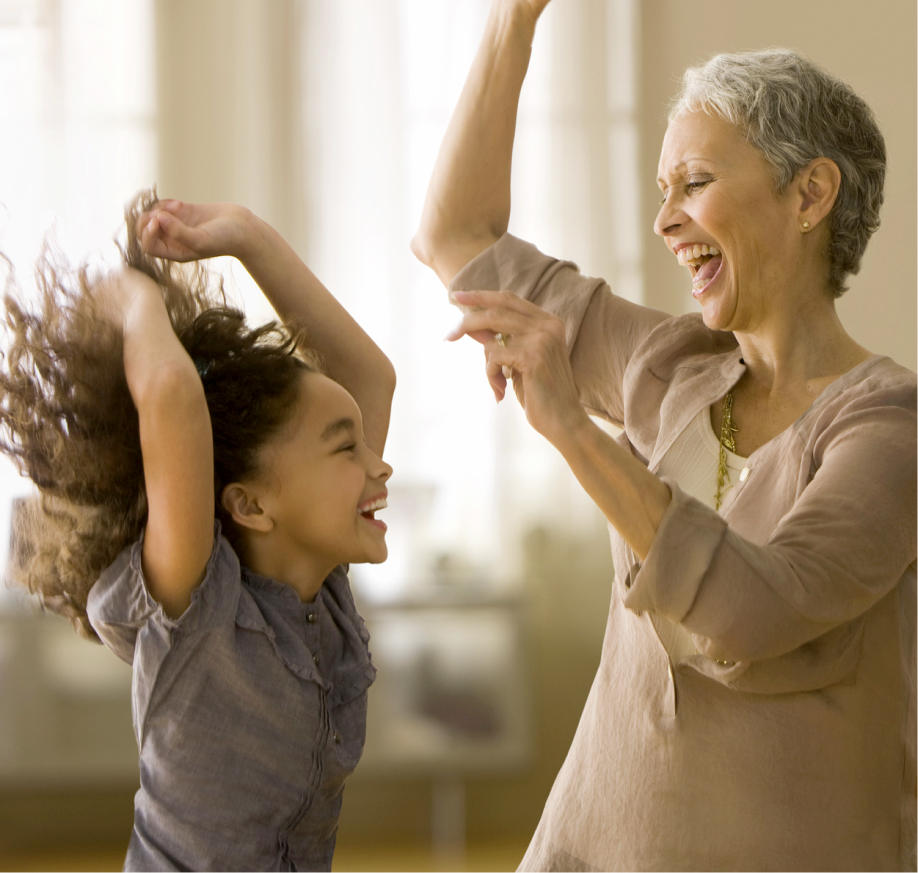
(370, 508)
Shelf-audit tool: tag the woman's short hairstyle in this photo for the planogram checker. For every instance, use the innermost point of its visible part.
(793, 112)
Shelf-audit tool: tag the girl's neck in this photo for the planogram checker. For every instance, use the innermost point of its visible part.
(303, 573)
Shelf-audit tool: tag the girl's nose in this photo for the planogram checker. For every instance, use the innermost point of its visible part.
(380, 469)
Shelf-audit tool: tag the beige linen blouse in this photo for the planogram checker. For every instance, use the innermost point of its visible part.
(798, 753)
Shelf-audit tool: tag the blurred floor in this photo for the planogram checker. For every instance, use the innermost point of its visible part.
(494, 856)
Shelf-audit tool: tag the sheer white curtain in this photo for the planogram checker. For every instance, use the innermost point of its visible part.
(379, 82)
(325, 117)
(78, 115)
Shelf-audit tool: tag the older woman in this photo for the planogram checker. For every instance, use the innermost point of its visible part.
(755, 702)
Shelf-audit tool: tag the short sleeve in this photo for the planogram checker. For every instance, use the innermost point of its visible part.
(120, 604)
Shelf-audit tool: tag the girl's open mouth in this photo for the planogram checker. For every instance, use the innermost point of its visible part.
(367, 511)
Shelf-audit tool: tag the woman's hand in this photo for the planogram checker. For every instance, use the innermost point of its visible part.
(533, 7)
(191, 231)
(534, 353)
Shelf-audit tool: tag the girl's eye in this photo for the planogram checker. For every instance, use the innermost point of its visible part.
(349, 447)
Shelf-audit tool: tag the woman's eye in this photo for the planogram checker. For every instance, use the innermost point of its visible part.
(695, 186)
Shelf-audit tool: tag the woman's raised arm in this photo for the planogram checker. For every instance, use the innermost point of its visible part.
(467, 207)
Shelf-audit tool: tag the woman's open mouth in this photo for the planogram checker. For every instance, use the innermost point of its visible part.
(704, 262)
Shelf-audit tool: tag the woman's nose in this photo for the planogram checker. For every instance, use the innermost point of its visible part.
(668, 220)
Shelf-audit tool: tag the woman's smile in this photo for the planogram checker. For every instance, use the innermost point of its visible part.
(723, 220)
(703, 260)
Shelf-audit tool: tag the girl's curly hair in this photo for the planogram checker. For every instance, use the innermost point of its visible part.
(68, 422)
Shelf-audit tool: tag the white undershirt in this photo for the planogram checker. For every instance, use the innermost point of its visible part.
(692, 462)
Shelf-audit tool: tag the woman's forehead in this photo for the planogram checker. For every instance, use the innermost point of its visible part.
(697, 136)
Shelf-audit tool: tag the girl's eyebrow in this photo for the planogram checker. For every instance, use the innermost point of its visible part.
(336, 427)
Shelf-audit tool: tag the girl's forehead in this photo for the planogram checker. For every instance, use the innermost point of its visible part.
(323, 403)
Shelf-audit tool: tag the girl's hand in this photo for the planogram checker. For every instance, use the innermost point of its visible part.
(191, 231)
(534, 352)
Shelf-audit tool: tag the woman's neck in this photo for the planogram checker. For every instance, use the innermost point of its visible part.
(799, 352)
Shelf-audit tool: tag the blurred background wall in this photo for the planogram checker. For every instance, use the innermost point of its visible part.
(324, 117)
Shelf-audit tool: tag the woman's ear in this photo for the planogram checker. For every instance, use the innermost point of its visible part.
(818, 184)
(244, 506)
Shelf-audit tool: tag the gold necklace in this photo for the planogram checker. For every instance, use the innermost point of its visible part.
(727, 443)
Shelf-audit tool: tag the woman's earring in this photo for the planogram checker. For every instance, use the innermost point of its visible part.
(806, 225)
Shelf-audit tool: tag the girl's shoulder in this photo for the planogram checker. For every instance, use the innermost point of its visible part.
(120, 603)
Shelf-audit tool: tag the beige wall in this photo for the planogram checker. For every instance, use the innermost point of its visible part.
(228, 106)
(873, 48)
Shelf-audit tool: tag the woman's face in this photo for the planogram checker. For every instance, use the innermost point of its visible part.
(722, 219)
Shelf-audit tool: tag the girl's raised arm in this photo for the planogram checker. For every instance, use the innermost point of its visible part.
(175, 439)
(468, 200)
(184, 231)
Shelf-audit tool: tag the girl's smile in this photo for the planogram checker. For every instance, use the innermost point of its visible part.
(318, 493)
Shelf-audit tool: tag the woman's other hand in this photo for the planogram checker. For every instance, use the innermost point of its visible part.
(183, 231)
(523, 340)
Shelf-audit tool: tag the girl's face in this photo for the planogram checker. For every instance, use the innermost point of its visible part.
(323, 483)
(722, 219)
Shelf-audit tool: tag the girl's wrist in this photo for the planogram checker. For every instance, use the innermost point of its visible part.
(145, 311)
(253, 236)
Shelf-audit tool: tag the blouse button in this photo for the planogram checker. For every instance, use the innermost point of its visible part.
(744, 474)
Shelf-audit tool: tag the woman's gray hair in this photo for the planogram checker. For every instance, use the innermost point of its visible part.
(793, 112)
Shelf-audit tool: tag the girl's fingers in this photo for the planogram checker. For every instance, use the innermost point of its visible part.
(169, 205)
(166, 236)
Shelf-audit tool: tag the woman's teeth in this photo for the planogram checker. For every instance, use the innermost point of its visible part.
(691, 256)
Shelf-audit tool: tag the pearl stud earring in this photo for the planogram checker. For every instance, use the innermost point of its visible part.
(806, 225)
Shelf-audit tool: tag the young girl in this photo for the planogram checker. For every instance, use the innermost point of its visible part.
(203, 486)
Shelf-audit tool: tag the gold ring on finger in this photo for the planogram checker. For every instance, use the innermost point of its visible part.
(500, 340)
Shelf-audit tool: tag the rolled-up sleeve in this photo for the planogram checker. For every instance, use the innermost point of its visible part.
(849, 537)
(601, 329)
